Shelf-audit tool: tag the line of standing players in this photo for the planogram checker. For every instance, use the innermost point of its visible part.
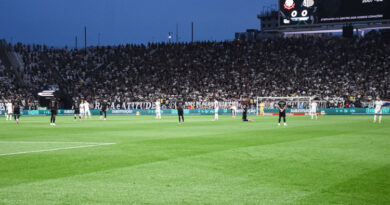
(80, 109)
(282, 106)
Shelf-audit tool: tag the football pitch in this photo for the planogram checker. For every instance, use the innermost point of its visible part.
(140, 160)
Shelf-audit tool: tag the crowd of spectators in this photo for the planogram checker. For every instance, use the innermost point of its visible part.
(11, 89)
(354, 69)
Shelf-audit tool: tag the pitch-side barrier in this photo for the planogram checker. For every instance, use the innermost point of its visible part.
(326, 111)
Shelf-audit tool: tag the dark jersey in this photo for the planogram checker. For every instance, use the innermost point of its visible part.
(17, 108)
(282, 104)
(76, 105)
(53, 105)
(104, 106)
(180, 107)
(244, 113)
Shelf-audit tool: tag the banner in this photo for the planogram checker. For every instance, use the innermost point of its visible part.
(165, 105)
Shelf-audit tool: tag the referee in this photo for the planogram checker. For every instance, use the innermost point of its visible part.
(180, 112)
(282, 105)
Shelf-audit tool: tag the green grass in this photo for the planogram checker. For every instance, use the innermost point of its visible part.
(333, 160)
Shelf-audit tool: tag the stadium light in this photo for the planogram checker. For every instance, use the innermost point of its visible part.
(169, 36)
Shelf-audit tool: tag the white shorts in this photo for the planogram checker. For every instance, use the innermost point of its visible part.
(378, 111)
(313, 111)
(158, 112)
(9, 112)
(82, 112)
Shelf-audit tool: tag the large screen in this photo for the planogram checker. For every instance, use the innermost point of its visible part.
(307, 12)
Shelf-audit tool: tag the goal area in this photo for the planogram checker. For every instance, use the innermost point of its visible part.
(302, 103)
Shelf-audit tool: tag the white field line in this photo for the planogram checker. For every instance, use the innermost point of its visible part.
(56, 149)
(52, 142)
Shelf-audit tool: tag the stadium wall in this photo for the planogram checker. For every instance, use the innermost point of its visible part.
(327, 111)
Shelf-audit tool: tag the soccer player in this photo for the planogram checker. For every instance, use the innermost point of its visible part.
(282, 105)
(9, 110)
(216, 109)
(244, 113)
(180, 112)
(313, 109)
(103, 110)
(378, 109)
(17, 112)
(76, 109)
(158, 109)
(233, 107)
(87, 112)
(53, 109)
(262, 105)
(82, 110)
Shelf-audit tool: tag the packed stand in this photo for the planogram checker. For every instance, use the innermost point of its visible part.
(353, 69)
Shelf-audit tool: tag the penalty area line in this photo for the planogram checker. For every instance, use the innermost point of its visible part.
(56, 149)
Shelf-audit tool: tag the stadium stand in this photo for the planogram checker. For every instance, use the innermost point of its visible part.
(355, 69)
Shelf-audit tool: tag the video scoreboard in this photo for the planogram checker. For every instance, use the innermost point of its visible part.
(309, 12)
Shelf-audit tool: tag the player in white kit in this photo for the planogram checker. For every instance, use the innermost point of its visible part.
(378, 109)
(87, 112)
(313, 109)
(82, 110)
(10, 109)
(233, 107)
(158, 109)
(216, 109)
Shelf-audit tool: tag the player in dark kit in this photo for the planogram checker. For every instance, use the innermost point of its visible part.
(103, 109)
(282, 105)
(244, 114)
(17, 112)
(180, 112)
(53, 109)
(76, 109)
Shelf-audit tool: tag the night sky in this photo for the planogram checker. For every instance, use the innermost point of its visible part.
(57, 22)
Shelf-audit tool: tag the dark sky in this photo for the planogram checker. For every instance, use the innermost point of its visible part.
(57, 22)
